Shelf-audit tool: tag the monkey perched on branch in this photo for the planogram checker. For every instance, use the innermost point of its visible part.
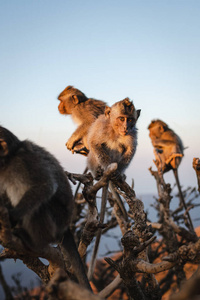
(168, 150)
(84, 112)
(112, 138)
(167, 143)
(39, 198)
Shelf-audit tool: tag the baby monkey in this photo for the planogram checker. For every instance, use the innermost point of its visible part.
(113, 138)
(39, 198)
(168, 150)
(84, 112)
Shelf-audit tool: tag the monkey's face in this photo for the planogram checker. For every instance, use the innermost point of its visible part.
(66, 104)
(123, 124)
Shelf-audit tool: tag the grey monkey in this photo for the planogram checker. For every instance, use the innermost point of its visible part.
(39, 197)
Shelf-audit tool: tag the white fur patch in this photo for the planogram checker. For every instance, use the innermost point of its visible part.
(16, 191)
(15, 188)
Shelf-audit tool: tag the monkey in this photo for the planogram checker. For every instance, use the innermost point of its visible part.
(112, 138)
(167, 143)
(39, 197)
(169, 151)
(84, 111)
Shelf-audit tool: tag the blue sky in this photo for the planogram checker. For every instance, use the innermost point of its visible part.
(110, 49)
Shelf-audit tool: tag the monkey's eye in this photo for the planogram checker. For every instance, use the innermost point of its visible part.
(130, 120)
(121, 119)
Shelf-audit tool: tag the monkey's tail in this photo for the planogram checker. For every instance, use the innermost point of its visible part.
(182, 198)
(68, 244)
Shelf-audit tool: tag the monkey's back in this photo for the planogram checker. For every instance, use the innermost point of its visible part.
(35, 168)
(90, 109)
(44, 167)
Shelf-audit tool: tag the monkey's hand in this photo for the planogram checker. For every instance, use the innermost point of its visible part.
(75, 145)
(98, 173)
(70, 144)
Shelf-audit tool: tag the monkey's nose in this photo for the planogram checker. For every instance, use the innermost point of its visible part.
(125, 126)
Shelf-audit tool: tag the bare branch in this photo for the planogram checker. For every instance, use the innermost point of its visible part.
(109, 289)
(190, 289)
(62, 289)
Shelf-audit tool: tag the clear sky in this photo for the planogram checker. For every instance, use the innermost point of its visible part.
(110, 49)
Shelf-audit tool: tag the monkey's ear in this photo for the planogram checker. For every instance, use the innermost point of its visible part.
(138, 113)
(3, 148)
(75, 99)
(107, 111)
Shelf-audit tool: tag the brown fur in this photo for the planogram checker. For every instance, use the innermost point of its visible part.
(167, 145)
(113, 137)
(84, 112)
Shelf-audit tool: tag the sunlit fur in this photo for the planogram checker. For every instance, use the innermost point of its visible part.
(83, 110)
(167, 144)
(111, 140)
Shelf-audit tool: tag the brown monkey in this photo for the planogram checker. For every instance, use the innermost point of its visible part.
(84, 111)
(39, 196)
(167, 143)
(112, 138)
(168, 150)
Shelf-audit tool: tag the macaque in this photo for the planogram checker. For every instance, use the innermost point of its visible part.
(39, 196)
(113, 138)
(168, 150)
(84, 112)
(167, 144)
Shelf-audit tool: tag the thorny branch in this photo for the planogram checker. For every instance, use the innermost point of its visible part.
(137, 239)
(61, 288)
(13, 248)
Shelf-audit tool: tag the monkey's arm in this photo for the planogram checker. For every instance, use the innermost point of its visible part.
(126, 159)
(78, 136)
(163, 143)
(168, 147)
(100, 151)
(168, 156)
(98, 158)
